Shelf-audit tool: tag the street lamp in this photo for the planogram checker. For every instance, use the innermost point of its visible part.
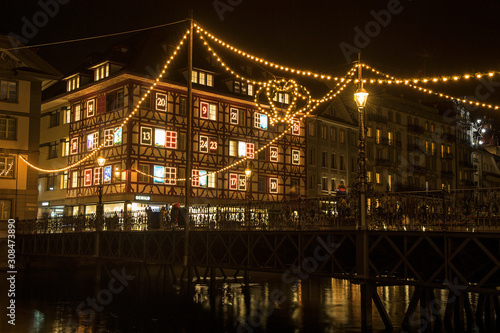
(100, 209)
(361, 97)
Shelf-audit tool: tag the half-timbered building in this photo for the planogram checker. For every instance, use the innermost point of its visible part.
(146, 158)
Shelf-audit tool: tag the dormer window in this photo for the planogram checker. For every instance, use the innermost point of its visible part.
(73, 83)
(203, 78)
(282, 97)
(243, 88)
(101, 71)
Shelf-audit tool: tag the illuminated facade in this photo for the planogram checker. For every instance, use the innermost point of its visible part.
(23, 76)
(410, 147)
(146, 157)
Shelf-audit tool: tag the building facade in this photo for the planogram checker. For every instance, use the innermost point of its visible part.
(409, 147)
(23, 75)
(146, 157)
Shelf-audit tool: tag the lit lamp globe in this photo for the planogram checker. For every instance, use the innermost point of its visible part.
(248, 172)
(361, 96)
(101, 161)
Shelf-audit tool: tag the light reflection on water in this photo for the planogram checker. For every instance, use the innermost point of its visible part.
(48, 304)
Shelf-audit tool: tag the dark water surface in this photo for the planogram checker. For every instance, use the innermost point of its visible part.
(47, 301)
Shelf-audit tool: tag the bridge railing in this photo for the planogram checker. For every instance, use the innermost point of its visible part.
(466, 210)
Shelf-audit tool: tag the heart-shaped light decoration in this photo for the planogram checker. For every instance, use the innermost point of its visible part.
(283, 92)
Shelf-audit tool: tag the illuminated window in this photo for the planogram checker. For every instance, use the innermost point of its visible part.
(237, 182)
(296, 157)
(6, 167)
(369, 132)
(202, 78)
(170, 175)
(65, 147)
(74, 179)
(379, 136)
(74, 145)
(66, 115)
(210, 80)
(159, 137)
(97, 176)
(171, 139)
(242, 149)
(159, 174)
(203, 181)
(342, 136)
(73, 83)
(77, 112)
(106, 176)
(108, 137)
(273, 185)
(117, 136)
(213, 112)
(146, 136)
(195, 180)
(161, 102)
(234, 116)
(260, 120)
(233, 148)
(101, 72)
(87, 180)
(92, 141)
(273, 154)
(296, 127)
(207, 144)
(250, 150)
(90, 108)
(8, 91)
(378, 178)
(390, 137)
(64, 180)
(118, 174)
(282, 97)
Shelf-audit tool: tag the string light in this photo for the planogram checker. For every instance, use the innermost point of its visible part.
(273, 89)
(266, 62)
(95, 151)
(429, 91)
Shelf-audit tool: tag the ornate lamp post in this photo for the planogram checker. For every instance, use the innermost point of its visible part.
(100, 209)
(361, 96)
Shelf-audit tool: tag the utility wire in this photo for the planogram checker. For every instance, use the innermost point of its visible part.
(95, 37)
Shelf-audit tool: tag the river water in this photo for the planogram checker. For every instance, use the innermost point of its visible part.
(48, 300)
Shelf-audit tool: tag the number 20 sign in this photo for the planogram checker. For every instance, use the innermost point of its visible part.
(161, 102)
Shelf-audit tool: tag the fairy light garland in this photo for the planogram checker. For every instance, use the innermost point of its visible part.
(223, 64)
(272, 90)
(451, 78)
(125, 121)
(266, 62)
(392, 79)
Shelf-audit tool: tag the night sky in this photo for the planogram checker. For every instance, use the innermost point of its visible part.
(409, 38)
